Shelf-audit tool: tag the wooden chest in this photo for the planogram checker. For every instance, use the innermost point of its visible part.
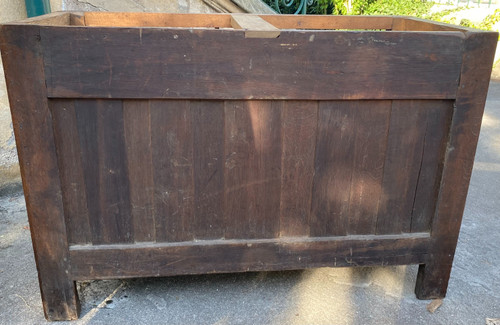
(164, 144)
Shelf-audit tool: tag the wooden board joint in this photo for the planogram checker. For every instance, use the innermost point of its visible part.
(254, 26)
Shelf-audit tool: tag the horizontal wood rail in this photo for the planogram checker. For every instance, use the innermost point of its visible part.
(210, 256)
(189, 64)
(170, 20)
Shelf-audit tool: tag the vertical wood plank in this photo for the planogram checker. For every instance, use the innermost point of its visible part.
(116, 217)
(23, 61)
(299, 126)
(208, 152)
(333, 168)
(402, 164)
(71, 172)
(371, 124)
(438, 120)
(137, 131)
(101, 132)
(172, 143)
(86, 123)
(252, 168)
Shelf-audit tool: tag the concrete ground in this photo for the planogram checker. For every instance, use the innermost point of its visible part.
(378, 295)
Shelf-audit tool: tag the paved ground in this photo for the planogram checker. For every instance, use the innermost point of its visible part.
(381, 295)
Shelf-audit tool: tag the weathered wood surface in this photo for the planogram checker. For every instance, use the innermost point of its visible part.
(150, 259)
(432, 281)
(182, 63)
(74, 192)
(168, 148)
(143, 19)
(299, 124)
(178, 170)
(132, 19)
(417, 24)
(327, 23)
(139, 159)
(31, 118)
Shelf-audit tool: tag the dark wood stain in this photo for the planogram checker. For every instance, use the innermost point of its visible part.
(403, 159)
(31, 118)
(152, 151)
(252, 177)
(101, 133)
(137, 133)
(172, 143)
(299, 126)
(432, 279)
(208, 151)
(438, 120)
(247, 255)
(371, 124)
(333, 168)
(71, 172)
(86, 125)
(116, 217)
(189, 64)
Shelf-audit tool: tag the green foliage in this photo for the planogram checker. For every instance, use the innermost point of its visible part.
(445, 17)
(486, 24)
(440, 15)
(399, 7)
(489, 21)
(360, 7)
(339, 7)
(417, 8)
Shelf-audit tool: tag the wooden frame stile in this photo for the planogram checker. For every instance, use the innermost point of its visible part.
(23, 59)
(479, 49)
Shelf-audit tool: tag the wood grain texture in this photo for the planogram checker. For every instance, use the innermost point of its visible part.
(417, 24)
(104, 262)
(252, 177)
(333, 168)
(114, 192)
(299, 122)
(188, 63)
(101, 133)
(132, 19)
(137, 137)
(371, 125)
(459, 159)
(403, 159)
(77, 19)
(329, 22)
(208, 152)
(86, 126)
(74, 195)
(148, 19)
(270, 154)
(172, 142)
(349, 164)
(254, 26)
(438, 120)
(22, 57)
